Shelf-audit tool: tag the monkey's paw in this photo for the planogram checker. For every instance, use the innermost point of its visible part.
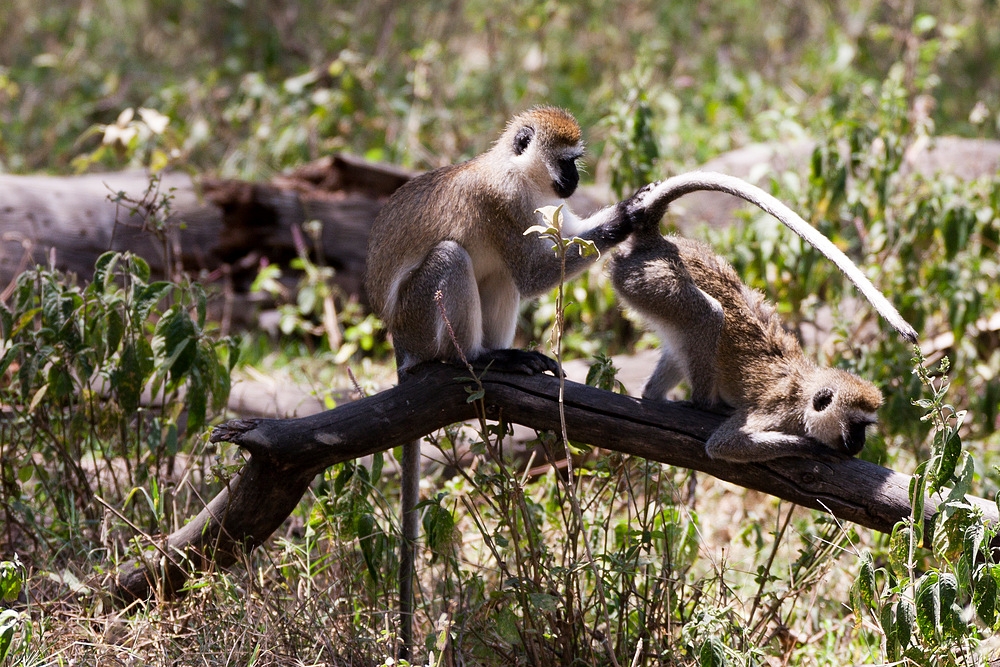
(642, 208)
(524, 362)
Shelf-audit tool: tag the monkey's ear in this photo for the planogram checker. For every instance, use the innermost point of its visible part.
(822, 399)
(522, 139)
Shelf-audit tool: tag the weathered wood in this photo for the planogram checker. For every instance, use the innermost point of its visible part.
(72, 220)
(286, 454)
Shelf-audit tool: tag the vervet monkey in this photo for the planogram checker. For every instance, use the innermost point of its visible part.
(453, 240)
(459, 230)
(729, 343)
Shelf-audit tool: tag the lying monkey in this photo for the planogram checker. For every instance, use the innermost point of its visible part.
(729, 343)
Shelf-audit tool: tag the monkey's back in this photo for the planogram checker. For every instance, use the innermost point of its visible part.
(752, 332)
(441, 205)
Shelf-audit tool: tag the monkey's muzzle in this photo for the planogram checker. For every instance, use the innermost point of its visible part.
(855, 440)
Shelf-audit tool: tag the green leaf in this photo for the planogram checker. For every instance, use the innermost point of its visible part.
(145, 356)
(344, 476)
(216, 374)
(918, 492)
(232, 353)
(439, 527)
(866, 581)
(139, 268)
(37, 397)
(201, 303)
(175, 339)
(372, 543)
(906, 623)
(974, 535)
(127, 380)
(23, 321)
(6, 322)
(712, 654)
(928, 603)
(950, 540)
(197, 402)
(887, 619)
(950, 453)
(116, 330)
(170, 442)
(104, 269)
(901, 544)
(9, 356)
(956, 227)
(10, 580)
(8, 622)
(984, 595)
(539, 229)
(147, 296)
(951, 613)
(60, 382)
(587, 247)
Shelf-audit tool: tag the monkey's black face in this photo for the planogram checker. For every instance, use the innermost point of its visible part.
(567, 177)
(837, 422)
(854, 440)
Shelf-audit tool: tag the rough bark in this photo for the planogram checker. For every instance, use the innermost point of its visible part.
(286, 454)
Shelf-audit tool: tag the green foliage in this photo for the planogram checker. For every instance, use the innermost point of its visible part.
(927, 604)
(620, 565)
(251, 89)
(75, 363)
(346, 330)
(12, 622)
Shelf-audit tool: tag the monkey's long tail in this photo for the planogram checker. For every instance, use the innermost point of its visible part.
(678, 186)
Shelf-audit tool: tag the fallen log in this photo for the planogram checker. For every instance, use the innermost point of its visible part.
(216, 222)
(286, 454)
(212, 223)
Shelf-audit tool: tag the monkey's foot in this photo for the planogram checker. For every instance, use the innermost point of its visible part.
(524, 362)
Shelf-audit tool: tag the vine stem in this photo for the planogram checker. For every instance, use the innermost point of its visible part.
(560, 246)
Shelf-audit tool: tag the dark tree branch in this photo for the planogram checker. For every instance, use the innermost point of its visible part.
(285, 455)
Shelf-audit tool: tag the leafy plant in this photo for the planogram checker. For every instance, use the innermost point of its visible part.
(12, 580)
(926, 605)
(320, 309)
(76, 362)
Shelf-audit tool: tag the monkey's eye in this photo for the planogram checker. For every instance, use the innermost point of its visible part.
(822, 399)
(522, 139)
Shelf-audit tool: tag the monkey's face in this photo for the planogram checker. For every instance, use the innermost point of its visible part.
(544, 145)
(840, 408)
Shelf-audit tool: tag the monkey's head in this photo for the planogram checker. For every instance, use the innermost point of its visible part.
(839, 408)
(543, 144)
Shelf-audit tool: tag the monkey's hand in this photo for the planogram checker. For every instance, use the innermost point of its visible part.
(643, 211)
(524, 362)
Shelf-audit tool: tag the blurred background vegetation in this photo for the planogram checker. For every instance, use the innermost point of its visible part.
(253, 87)
(698, 573)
